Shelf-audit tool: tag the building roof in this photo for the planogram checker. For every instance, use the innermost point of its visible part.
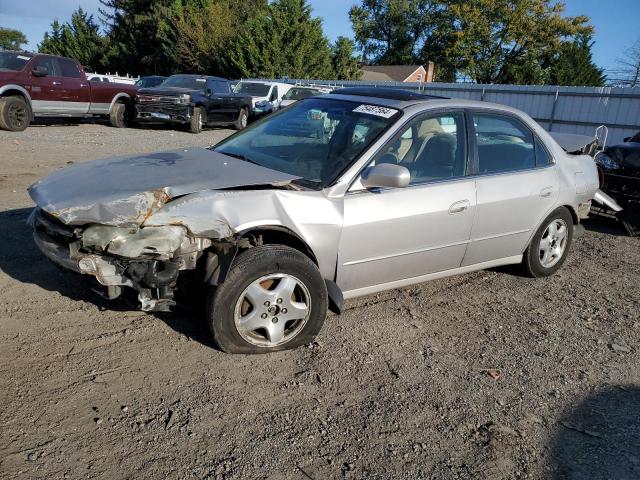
(388, 73)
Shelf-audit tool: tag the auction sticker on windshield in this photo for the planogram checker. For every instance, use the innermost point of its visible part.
(376, 110)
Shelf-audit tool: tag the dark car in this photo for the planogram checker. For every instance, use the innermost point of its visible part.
(150, 81)
(193, 100)
(619, 167)
(37, 85)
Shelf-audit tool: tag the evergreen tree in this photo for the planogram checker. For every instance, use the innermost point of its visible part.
(345, 65)
(283, 41)
(79, 38)
(574, 65)
(12, 39)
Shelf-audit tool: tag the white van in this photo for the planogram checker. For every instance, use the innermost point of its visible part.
(266, 96)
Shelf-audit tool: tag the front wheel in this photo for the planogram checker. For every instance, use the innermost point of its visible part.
(273, 298)
(197, 120)
(550, 245)
(15, 115)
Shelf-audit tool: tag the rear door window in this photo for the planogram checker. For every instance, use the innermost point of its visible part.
(69, 68)
(504, 144)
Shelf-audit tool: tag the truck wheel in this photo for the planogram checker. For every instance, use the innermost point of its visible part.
(273, 298)
(14, 114)
(243, 120)
(197, 120)
(118, 115)
(550, 245)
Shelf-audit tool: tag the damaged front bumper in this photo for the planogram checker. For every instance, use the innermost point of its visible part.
(163, 112)
(148, 260)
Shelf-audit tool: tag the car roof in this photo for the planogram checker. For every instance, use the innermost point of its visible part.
(199, 76)
(389, 97)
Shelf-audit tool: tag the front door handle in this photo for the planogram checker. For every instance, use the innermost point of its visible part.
(459, 207)
(56, 83)
(546, 192)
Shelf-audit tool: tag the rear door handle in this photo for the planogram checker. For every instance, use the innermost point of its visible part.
(459, 207)
(546, 192)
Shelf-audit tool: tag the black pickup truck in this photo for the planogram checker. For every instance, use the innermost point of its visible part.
(193, 100)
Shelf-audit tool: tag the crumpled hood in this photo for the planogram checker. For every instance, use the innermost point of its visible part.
(125, 191)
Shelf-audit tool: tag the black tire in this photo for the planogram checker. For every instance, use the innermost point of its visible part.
(197, 120)
(243, 120)
(15, 114)
(532, 262)
(118, 116)
(250, 266)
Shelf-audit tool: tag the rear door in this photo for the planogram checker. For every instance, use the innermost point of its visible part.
(516, 184)
(77, 92)
(47, 93)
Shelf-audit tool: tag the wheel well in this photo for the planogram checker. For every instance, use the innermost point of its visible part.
(574, 214)
(280, 236)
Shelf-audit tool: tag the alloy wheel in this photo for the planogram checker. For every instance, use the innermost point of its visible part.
(553, 243)
(272, 310)
(17, 114)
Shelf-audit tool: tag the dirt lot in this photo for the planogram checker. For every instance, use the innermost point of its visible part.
(483, 376)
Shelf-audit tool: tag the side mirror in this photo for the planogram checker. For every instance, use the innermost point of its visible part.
(40, 71)
(626, 139)
(385, 175)
(209, 92)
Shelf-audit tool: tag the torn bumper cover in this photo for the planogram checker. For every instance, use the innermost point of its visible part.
(148, 260)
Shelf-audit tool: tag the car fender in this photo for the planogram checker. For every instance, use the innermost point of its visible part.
(117, 97)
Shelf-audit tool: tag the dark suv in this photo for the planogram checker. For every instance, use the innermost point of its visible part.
(193, 100)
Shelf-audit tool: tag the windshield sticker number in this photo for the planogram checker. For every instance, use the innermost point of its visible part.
(201, 80)
(376, 110)
(22, 57)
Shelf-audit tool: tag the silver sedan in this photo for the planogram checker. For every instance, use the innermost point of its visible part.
(335, 197)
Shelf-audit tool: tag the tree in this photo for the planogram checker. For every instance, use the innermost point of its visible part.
(79, 38)
(345, 65)
(492, 37)
(194, 34)
(11, 39)
(390, 32)
(132, 38)
(574, 65)
(627, 73)
(282, 41)
(486, 41)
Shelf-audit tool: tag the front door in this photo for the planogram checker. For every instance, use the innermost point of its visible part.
(517, 186)
(47, 93)
(394, 235)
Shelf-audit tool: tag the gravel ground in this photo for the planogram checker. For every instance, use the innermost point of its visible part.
(484, 376)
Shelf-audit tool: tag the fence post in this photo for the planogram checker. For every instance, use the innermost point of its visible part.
(553, 109)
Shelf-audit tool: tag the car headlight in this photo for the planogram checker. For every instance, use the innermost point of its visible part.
(606, 162)
(184, 98)
(131, 242)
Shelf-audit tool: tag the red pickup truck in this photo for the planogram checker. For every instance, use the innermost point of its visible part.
(37, 85)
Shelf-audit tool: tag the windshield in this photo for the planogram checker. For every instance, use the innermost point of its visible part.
(186, 81)
(300, 93)
(316, 139)
(148, 82)
(13, 61)
(253, 89)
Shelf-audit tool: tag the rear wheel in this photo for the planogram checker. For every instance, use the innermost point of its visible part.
(118, 115)
(197, 120)
(15, 115)
(273, 298)
(550, 245)
(243, 120)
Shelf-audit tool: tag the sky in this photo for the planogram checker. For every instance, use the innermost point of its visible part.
(615, 21)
